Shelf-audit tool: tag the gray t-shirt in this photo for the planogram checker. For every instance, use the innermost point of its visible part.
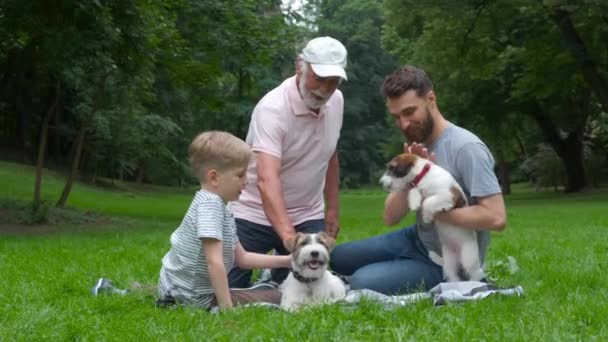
(185, 274)
(471, 163)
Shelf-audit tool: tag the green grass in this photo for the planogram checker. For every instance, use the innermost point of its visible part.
(560, 243)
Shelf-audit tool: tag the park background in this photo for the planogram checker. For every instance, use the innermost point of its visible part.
(100, 99)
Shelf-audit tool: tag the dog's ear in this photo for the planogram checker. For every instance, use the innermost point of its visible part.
(291, 243)
(327, 240)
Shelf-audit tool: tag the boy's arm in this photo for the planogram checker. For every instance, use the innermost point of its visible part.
(247, 260)
(217, 272)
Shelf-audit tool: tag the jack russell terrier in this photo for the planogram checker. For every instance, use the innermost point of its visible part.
(310, 282)
(432, 189)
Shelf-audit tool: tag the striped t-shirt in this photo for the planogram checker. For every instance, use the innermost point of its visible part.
(184, 274)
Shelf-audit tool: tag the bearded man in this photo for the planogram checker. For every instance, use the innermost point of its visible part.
(294, 132)
(399, 262)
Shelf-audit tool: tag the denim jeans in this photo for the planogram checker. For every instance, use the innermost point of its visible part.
(393, 263)
(260, 238)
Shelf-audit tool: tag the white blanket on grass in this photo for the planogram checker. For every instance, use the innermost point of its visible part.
(444, 293)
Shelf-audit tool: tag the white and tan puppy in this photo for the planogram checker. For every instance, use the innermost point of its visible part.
(310, 282)
(432, 190)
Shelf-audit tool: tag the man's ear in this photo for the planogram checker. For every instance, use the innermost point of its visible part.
(431, 97)
(292, 242)
(327, 240)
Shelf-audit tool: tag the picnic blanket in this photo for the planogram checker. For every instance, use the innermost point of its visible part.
(444, 293)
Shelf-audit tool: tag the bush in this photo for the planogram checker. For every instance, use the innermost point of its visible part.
(544, 168)
(21, 212)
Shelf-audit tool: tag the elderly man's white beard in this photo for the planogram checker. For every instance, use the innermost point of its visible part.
(313, 99)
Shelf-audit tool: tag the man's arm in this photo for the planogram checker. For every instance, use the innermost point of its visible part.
(271, 190)
(217, 272)
(248, 260)
(488, 214)
(395, 207)
(332, 188)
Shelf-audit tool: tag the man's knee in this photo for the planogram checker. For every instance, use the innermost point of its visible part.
(338, 259)
(361, 280)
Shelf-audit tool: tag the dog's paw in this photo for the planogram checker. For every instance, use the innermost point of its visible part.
(428, 216)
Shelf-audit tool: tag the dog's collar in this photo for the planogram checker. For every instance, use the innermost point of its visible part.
(419, 176)
(302, 278)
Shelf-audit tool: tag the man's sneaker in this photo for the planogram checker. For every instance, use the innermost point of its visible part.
(105, 285)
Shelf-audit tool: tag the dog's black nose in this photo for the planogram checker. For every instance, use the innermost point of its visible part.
(314, 254)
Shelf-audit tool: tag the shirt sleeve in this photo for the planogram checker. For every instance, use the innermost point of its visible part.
(476, 166)
(268, 130)
(209, 219)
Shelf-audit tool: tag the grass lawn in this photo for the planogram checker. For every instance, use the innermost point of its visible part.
(559, 241)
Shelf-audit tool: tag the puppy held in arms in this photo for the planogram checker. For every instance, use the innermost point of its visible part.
(310, 282)
(432, 190)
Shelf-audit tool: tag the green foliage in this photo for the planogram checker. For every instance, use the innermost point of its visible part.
(545, 168)
(498, 64)
(365, 129)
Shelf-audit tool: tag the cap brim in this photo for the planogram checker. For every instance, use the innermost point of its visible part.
(329, 70)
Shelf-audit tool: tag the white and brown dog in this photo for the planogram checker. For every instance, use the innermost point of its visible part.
(432, 190)
(310, 282)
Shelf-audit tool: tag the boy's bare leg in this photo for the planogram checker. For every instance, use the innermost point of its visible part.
(246, 296)
(146, 289)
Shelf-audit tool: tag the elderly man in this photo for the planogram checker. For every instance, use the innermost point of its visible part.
(294, 133)
(399, 261)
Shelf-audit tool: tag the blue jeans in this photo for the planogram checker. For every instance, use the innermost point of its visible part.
(259, 238)
(393, 263)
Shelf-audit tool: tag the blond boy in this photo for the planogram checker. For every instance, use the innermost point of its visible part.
(205, 246)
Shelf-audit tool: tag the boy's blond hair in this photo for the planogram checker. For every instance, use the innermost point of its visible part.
(217, 150)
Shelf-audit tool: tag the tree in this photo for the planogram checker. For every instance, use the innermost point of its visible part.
(365, 129)
(500, 63)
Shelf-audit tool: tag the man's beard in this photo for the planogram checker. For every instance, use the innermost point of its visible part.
(420, 132)
(313, 99)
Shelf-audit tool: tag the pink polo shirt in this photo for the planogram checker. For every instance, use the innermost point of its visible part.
(282, 126)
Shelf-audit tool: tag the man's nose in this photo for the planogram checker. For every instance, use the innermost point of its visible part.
(404, 123)
(329, 86)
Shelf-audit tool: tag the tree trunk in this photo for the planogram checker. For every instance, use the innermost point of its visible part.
(79, 143)
(141, 172)
(44, 131)
(569, 150)
(577, 47)
(74, 170)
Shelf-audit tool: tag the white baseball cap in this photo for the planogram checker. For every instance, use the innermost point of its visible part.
(326, 56)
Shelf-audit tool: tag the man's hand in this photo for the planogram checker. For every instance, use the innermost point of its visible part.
(332, 224)
(419, 150)
(286, 237)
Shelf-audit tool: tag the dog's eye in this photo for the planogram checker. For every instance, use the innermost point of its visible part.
(391, 166)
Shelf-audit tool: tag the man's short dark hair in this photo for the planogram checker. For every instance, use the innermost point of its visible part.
(406, 78)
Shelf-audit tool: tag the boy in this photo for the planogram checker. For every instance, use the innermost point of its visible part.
(205, 245)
